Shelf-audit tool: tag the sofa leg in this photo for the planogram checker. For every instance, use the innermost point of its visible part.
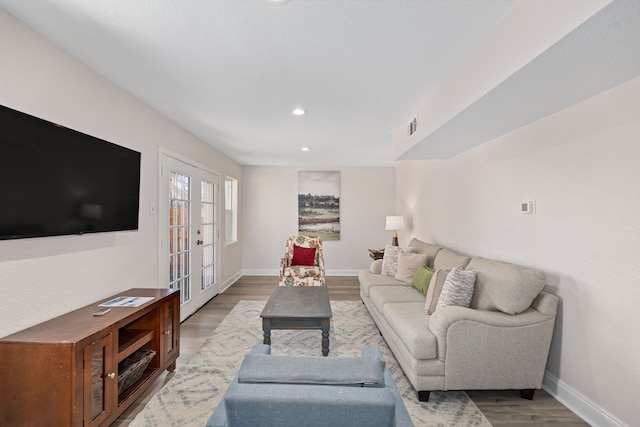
(423, 396)
(527, 393)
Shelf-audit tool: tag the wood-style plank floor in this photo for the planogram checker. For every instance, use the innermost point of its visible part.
(502, 408)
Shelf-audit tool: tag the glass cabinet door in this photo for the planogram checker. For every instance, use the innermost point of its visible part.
(169, 331)
(171, 323)
(99, 379)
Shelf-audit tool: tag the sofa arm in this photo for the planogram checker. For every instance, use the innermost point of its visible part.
(376, 266)
(546, 303)
(446, 318)
(284, 263)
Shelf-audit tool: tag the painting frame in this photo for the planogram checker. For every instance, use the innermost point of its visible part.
(319, 204)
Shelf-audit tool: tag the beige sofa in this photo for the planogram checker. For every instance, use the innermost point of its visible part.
(500, 342)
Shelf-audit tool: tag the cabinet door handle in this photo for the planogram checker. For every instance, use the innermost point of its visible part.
(112, 375)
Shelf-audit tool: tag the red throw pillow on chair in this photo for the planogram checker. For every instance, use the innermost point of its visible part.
(303, 256)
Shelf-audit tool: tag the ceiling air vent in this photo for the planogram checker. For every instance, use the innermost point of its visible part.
(413, 127)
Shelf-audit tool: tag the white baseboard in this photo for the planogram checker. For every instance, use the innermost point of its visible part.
(271, 272)
(342, 272)
(230, 281)
(579, 404)
(259, 272)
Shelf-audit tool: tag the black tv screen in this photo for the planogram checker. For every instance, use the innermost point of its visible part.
(57, 181)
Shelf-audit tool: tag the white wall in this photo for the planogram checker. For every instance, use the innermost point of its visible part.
(581, 166)
(270, 209)
(44, 277)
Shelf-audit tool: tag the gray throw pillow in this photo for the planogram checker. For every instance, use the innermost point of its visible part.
(458, 288)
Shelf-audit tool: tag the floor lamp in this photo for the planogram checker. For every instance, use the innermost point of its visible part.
(394, 223)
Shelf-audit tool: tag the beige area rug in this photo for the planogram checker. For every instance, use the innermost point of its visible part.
(190, 397)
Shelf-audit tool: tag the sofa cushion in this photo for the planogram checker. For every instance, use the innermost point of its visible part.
(410, 323)
(283, 405)
(458, 288)
(390, 259)
(344, 371)
(435, 288)
(381, 295)
(430, 250)
(503, 286)
(369, 280)
(301, 271)
(421, 279)
(408, 263)
(447, 259)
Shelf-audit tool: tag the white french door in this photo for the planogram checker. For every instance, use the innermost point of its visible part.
(189, 232)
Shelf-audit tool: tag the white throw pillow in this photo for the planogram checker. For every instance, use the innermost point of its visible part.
(458, 288)
(434, 290)
(408, 264)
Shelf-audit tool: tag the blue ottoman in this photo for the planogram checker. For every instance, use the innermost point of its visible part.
(309, 391)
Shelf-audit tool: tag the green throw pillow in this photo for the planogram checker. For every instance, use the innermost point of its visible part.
(421, 279)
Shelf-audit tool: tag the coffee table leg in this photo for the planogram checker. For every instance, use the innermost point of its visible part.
(325, 336)
(266, 328)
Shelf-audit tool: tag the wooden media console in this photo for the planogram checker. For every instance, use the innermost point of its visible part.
(65, 371)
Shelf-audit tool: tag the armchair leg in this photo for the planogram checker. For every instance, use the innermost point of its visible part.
(423, 396)
(527, 393)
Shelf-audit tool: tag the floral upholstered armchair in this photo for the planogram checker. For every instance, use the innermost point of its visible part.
(303, 264)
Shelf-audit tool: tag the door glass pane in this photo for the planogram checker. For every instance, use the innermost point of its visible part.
(207, 226)
(97, 382)
(179, 232)
(230, 210)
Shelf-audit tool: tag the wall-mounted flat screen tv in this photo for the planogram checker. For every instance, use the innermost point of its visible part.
(57, 181)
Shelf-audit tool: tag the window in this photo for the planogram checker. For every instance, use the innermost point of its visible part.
(230, 210)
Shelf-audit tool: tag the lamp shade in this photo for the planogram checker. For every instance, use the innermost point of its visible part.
(394, 223)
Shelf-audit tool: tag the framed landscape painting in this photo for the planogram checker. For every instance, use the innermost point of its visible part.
(319, 204)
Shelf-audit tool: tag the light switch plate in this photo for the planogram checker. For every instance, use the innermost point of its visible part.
(528, 207)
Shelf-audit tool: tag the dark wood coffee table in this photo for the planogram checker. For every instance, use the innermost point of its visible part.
(298, 307)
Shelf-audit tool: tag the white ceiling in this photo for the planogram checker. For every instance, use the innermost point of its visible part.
(231, 71)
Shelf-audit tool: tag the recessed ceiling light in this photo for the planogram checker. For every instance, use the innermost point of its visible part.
(299, 112)
(305, 149)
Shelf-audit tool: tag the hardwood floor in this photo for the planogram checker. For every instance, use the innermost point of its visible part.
(502, 408)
